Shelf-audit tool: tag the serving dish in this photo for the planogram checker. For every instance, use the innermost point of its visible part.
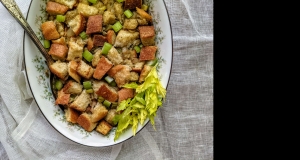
(38, 74)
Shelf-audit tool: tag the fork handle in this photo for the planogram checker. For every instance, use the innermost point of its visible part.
(14, 10)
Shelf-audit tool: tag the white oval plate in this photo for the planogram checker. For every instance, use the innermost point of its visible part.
(39, 79)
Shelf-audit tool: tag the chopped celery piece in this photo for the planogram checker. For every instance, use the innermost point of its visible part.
(92, 1)
(106, 47)
(83, 35)
(46, 43)
(117, 26)
(144, 7)
(137, 49)
(87, 85)
(109, 79)
(113, 84)
(60, 18)
(128, 13)
(106, 103)
(114, 104)
(87, 55)
(120, 1)
(100, 99)
(58, 84)
(89, 91)
(152, 62)
(141, 45)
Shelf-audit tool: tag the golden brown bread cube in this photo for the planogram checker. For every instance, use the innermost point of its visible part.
(144, 14)
(103, 66)
(107, 93)
(103, 127)
(131, 4)
(72, 87)
(72, 66)
(62, 98)
(121, 74)
(144, 73)
(84, 120)
(98, 112)
(125, 93)
(49, 30)
(77, 24)
(58, 51)
(111, 37)
(147, 35)
(110, 116)
(148, 53)
(85, 70)
(54, 8)
(94, 24)
(81, 102)
(71, 115)
(60, 69)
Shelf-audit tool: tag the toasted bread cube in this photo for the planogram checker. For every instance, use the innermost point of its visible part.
(111, 37)
(75, 51)
(62, 98)
(87, 10)
(144, 14)
(85, 70)
(84, 120)
(69, 3)
(96, 58)
(58, 51)
(130, 24)
(90, 44)
(61, 40)
(81, 102)
(72, 66)
(54, 8)
(72, 87)
(110, 116)
(60, 69)
(137, 67)
(125, 38)
(147, 35)
(132, 4)
(96, 85)
(103, 127)
(49, 30)
(98, 112)
(108, 18)
(107, 93)
(148, 53)
(121, 74)
(94, 24)
(125, 93)
(103, 66)
(114, 56)
(134, 76)
(71, 115)
(144, 73)
(77, 24)
(118, 10)
(98, 40)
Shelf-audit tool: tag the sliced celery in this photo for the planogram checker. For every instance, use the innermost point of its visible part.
(106, 103)
(87, 85)
(87, 55)
(58, 85)
(46, 43)
(109, 79)
(137, 49)
(128, 13)
(117, 26)
(92, 1)
(60, 18)
(106, 47)
(83, 35)
(89, 91)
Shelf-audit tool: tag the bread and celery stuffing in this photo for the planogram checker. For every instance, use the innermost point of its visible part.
(105, 63)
